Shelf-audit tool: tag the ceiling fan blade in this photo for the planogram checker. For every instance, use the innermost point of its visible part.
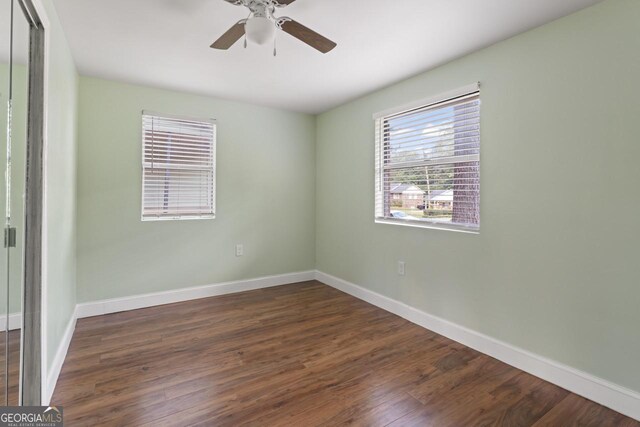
(229, 38)
(282, 3)
(306, 35)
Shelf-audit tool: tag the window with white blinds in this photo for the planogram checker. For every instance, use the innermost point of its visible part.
(428, 162)
(178, 167)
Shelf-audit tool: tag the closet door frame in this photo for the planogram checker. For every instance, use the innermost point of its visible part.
(32, 360)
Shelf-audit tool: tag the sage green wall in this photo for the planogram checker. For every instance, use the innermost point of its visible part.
(555, 268)
(265, 195)
(60, 276)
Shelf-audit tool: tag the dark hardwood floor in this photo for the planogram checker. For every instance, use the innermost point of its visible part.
(12, 365)
(296, 355)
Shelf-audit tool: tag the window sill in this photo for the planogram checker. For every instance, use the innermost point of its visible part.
(427, 224)
(178, 218)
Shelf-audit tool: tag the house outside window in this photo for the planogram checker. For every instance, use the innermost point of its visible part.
(428, 162)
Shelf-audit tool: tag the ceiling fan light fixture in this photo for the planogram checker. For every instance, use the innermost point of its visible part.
(262, 25)
(260, 30)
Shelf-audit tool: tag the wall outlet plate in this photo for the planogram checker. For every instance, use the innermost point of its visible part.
(401, 268)
(239, 250)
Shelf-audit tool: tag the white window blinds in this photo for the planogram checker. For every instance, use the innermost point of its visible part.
(428, 163)
(178, 167)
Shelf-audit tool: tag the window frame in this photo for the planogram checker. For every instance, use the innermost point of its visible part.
(379, 166)
(214, 147)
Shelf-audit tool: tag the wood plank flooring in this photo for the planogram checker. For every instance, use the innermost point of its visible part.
(296, 355)
(11, 365)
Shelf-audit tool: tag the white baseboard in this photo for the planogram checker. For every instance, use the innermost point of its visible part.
(601, 391)
(611, 395)
(115, 305)
(58, 361)
(15, 321)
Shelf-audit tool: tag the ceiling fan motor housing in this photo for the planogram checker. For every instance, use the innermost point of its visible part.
(261, 8)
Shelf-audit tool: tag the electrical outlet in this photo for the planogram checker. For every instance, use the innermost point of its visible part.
(239, 250)
(401, 268)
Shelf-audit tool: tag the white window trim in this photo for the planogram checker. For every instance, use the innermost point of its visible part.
(427, 224)
(215, 169)
(426, 102)
(421, 103)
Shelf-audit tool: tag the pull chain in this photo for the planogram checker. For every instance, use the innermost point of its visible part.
(275, 50)
(245, 33)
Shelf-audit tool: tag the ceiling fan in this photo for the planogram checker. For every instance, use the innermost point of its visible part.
(261, 25)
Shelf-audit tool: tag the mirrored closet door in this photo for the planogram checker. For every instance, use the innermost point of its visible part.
(16, 85)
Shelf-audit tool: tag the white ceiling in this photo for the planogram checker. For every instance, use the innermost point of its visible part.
(165, 43)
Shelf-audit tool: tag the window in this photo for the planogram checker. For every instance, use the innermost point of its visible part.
(178, 167)
(428, 162)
